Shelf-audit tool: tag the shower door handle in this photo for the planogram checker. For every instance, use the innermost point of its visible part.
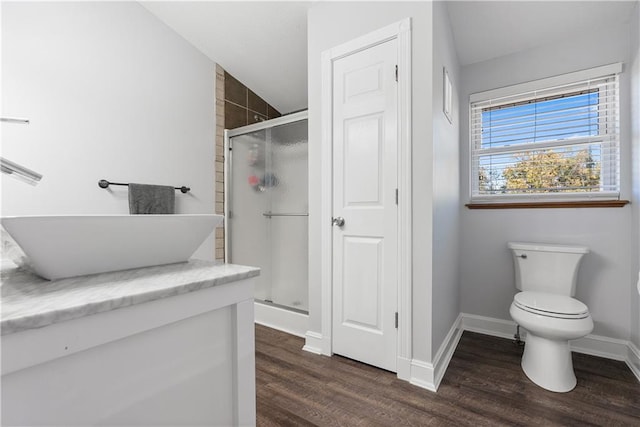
(339, 221)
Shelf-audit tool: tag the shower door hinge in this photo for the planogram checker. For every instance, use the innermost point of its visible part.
(396, 320)
(396, 73)
(396, 196)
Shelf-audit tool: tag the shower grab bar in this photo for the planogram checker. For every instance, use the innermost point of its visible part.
(103, 183)
(270, 214)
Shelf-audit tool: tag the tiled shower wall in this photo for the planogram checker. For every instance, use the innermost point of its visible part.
(243, 107)
(236, 106)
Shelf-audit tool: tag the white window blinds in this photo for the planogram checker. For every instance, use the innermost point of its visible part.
(533, 141)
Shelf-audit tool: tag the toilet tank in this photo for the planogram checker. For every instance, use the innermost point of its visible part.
(542, 267)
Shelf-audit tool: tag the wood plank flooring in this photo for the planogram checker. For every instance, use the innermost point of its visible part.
(484, 386)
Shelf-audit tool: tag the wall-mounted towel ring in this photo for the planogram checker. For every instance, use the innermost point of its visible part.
(103, 183)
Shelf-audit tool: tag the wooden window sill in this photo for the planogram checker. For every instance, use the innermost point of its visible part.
(550, 205)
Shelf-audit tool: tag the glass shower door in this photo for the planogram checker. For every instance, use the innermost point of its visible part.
(247, 236)
(268, 211)
(288, 215)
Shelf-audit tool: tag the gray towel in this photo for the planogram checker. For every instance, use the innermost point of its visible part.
(151, 199)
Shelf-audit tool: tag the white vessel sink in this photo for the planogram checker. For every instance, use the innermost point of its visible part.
(75, 245)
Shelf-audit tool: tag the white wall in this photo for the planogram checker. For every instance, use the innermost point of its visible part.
(487, 276)
(634, 53)
(112, 93)
(333, 23)
(446, 182)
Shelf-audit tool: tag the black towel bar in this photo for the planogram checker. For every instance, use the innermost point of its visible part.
(103, 183)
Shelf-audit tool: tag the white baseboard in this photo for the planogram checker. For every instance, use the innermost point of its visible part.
(446, 350)
(423, 375)
(417, 372)
(597, 345)
(594, 345)
(429, 375)
(314, 343)
(488, 325)
(403, 369)
(288, 321)
(633, 360)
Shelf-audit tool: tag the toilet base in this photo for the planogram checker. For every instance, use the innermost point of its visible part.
(548, 363)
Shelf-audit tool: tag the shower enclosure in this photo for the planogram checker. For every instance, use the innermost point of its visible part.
(267, 212)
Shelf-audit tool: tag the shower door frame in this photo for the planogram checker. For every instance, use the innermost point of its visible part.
(230, 133)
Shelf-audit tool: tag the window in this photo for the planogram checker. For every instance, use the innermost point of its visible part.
(550, 140)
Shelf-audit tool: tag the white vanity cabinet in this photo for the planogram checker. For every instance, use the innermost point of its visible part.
(170, 345)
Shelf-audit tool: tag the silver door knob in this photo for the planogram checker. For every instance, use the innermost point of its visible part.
(339, 221)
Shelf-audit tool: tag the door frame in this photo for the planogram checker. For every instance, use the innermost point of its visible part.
(402, 32)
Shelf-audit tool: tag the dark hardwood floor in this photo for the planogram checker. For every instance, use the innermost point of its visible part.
(484, 386)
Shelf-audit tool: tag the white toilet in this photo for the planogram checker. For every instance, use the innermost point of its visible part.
(546, 275)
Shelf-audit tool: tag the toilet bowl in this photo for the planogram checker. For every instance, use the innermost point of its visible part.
(551, 321)
(546, 275)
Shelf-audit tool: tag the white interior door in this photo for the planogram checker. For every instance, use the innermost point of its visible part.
(364, 195)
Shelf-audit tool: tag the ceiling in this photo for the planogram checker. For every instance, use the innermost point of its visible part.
(489, 29)
(264, 44)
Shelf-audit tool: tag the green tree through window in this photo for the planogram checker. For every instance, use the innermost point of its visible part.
(549, 172)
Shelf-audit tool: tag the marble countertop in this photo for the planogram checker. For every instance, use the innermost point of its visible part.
(29, 301)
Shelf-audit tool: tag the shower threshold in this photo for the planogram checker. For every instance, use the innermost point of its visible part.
(286, 319)
(282, 306)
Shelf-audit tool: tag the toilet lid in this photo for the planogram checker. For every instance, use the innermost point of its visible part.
(552, 305)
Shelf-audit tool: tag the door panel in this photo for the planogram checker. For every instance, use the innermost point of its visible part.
(361, 81)
(364, 185)
(362, 300)
(363, 143)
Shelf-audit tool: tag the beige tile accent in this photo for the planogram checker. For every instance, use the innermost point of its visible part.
(219, 165)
